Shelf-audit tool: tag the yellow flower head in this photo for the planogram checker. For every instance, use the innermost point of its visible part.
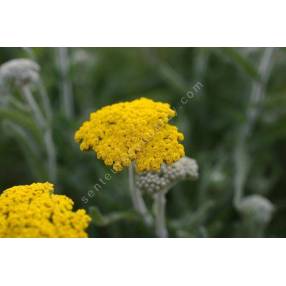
(132, 131)
(34, 211)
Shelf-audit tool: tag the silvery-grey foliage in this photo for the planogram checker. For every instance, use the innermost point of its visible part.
(184, 169)
(257, 209)
(19, 71)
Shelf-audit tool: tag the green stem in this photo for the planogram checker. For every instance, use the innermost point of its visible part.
(256, 97)
(51, 153)
(137, 199)
(46, 130)
(160, 216)
(45, 100)
(41, 122)
(67, 97)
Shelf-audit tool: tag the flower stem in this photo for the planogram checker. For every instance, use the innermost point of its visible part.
(159, 209)
(51, 153)
(45, 100)
(137, 199)
(47, 133)
(67, 96)
(241, 156)
(34, 107)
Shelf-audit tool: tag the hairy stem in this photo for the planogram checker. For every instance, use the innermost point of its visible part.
(51, 153)
(67, 97)
(45, 100)
(159, 209)
(40, 119)
(46, 130)
(256, 97)
(27, 144)
(137, 199)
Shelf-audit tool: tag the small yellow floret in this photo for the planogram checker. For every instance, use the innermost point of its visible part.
(132, 131)
(34, 211)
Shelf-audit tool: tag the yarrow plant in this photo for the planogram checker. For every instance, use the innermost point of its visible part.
(35, 211)
(132, 131)
(24, 74)
(159, 183)
(239, 174)
(256, 212)
(135, 133)
(20, 71)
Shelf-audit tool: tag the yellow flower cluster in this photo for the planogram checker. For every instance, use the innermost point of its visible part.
(132, 131)
(34, 211)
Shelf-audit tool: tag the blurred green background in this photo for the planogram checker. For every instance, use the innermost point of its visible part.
(225, 85)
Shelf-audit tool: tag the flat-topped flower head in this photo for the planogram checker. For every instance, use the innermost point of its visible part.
(132, 131)
(20, 71)
(34, 211)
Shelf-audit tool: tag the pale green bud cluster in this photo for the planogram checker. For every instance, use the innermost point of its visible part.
(19, 71)
(257, 209)
(152, 182)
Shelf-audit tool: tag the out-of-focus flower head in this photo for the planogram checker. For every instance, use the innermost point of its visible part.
(257, 209)
(152, 182)
(34, 211)
(132, 131)
(82, 56)
(19, 71)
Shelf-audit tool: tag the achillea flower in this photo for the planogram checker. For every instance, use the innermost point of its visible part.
(34, 211)
(256, 208)
(132, 131)
(19, 71)
(152, 182)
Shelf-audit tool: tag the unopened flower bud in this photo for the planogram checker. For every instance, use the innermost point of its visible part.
(257, 209)
(184, 169)
(19, 71)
